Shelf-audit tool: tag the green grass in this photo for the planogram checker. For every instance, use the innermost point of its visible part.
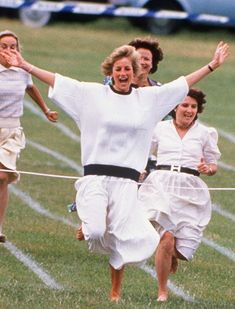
(76, 50)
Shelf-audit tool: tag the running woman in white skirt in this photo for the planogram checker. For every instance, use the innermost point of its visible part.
(14, 82)
(174, 197)
(116, 124)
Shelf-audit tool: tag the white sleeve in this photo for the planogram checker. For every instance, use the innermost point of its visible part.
(67, 93)
(154, 143)
(30, 81)
(170, 95)
(211, 151)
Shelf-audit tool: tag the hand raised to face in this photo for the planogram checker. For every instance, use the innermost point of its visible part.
(12, 57)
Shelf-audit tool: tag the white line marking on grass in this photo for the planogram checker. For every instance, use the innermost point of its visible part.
(176, 290)
(34, 266)
(59, 125)
(225, 251)
(217, 208)
(226, 166)
(38, 208)
(230, 137)
(57, 156)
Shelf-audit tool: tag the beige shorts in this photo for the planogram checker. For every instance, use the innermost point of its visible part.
(12, 140)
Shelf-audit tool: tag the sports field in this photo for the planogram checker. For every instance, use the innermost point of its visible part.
(42, 265)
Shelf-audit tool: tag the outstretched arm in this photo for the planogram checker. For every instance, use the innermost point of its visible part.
(14, 58)
(218, 59)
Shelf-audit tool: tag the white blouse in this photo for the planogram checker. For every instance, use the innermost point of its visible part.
(13, 84)
(199, 142)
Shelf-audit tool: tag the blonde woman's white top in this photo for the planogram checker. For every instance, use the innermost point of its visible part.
(116, 129)
(13, 83)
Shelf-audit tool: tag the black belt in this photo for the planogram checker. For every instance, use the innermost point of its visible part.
(111, 170)
(178, 168)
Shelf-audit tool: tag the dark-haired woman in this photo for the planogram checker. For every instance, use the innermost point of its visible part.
(150, 56)
(174, 197)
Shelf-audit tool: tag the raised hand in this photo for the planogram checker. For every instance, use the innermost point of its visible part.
(14, 58)
(221, 53)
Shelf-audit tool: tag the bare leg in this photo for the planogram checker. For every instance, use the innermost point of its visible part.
(3, 200)
(163, 262)
(116, 277)
(79, 234)
(174, 264)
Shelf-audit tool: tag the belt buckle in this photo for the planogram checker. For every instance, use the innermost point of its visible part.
(175, 168)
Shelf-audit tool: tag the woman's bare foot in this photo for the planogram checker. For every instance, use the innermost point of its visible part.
(174, 265)
(116, 278)
(162, 297)
(79, 234)
(114, 297)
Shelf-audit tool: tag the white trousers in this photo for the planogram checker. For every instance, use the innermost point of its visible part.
(112, 222)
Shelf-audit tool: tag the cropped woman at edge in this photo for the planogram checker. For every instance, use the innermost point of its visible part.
(14, 82)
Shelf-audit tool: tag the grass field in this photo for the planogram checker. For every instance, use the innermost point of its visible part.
(42, 265)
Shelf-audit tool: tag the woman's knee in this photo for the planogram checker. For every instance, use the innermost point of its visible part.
(4, 178)
(167, 242)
